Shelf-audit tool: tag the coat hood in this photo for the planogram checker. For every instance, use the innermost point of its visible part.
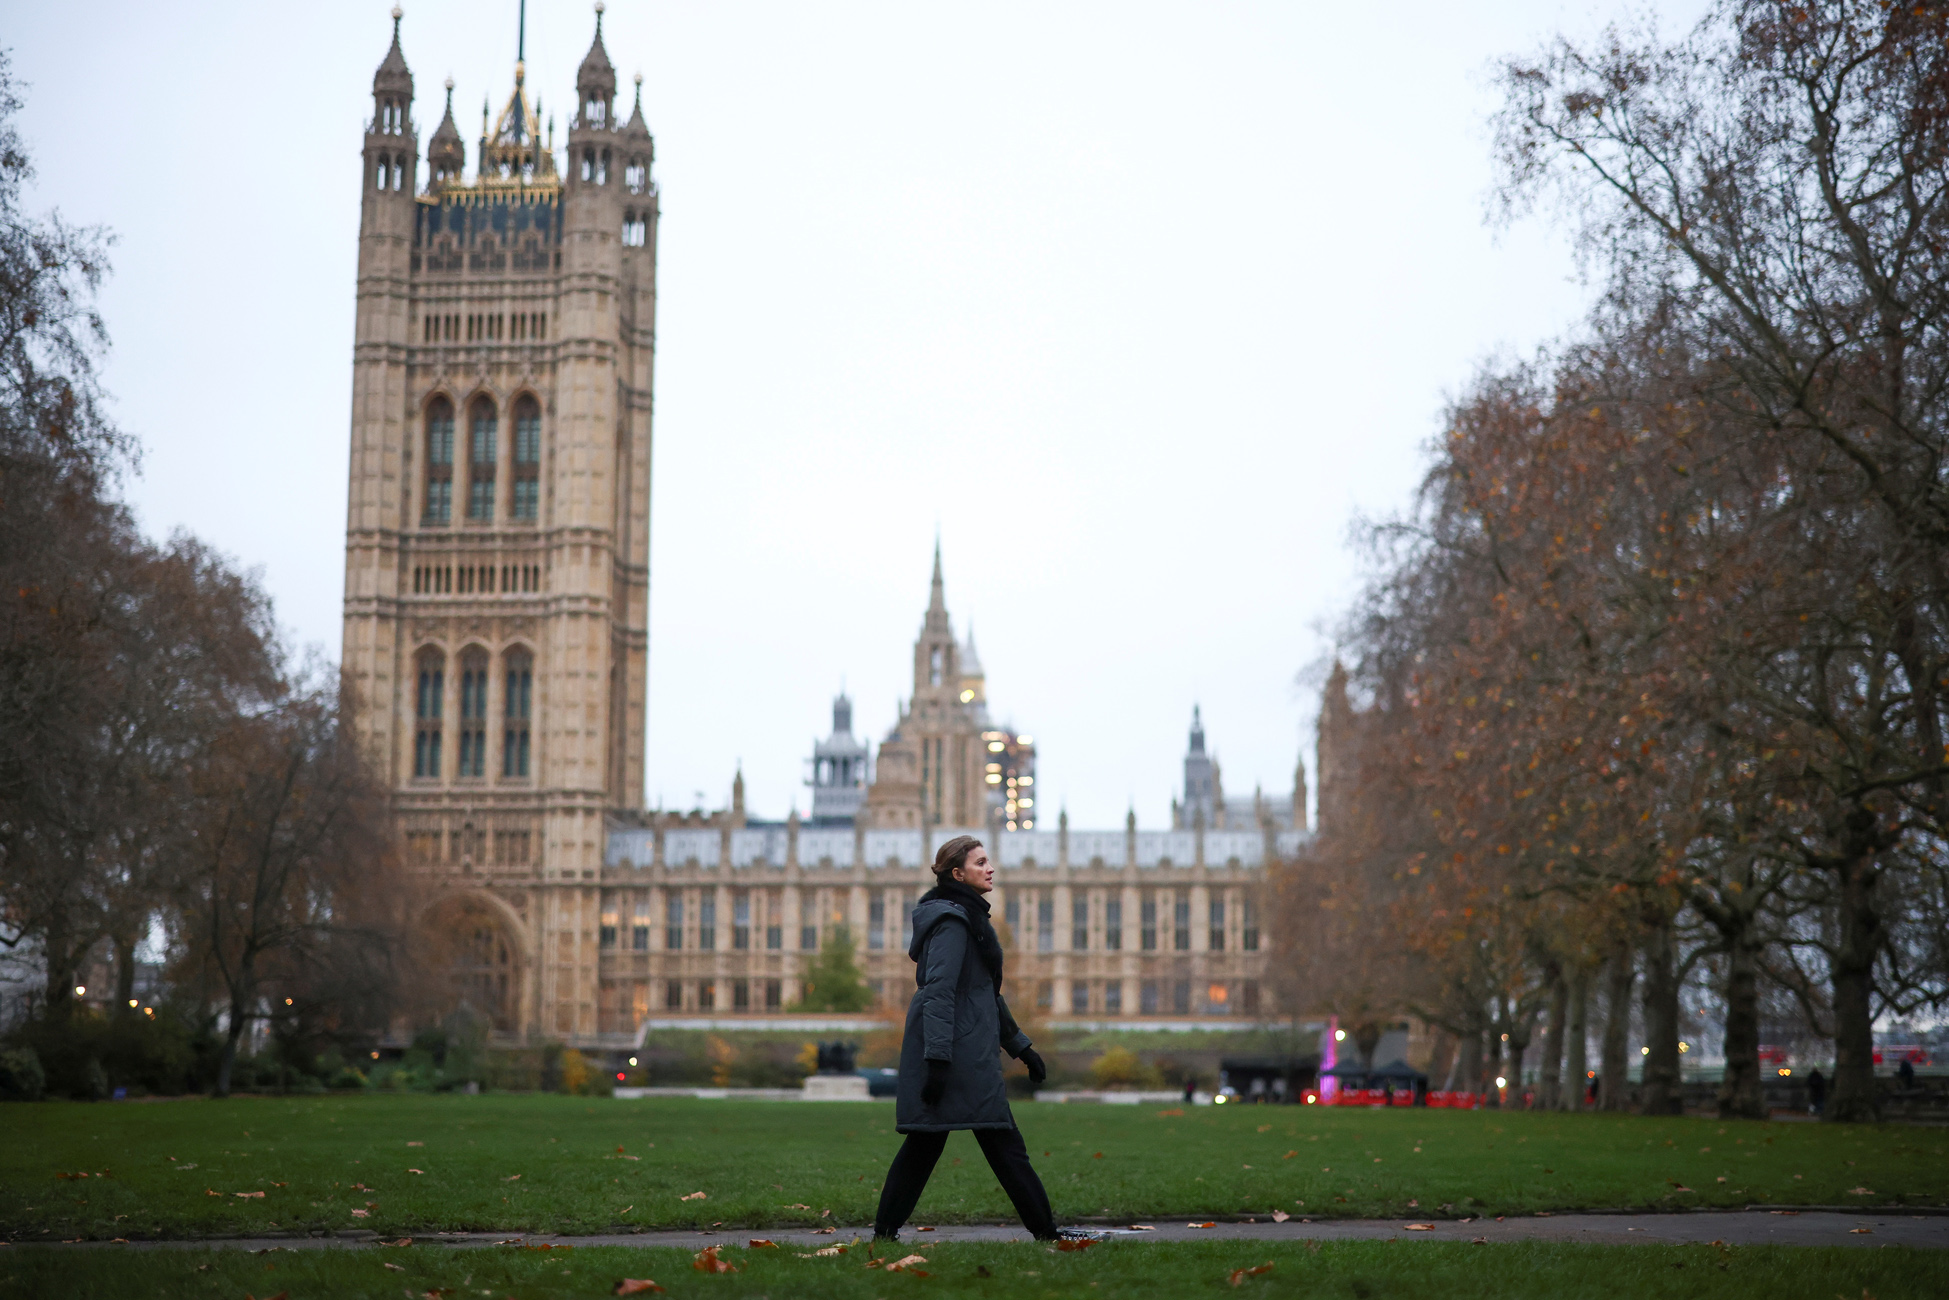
(929, 914)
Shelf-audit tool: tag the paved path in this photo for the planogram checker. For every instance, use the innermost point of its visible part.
(1732, 1227)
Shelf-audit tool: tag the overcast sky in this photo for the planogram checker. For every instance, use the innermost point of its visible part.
(1139, 306)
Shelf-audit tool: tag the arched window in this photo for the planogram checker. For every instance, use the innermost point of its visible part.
(516, 710)
(602, 168)
(588, 164)
(439, 463)
(636, 176)
(380, 172)
(635, 229)
(527, 458)
(481, 455)
(596, 111)
(399, 172)
(473, 714)
(429, 704)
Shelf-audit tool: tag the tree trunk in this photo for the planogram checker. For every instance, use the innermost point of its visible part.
(1576, 1048)
(228, 1058)
(1661, 1078)
(1739, 1092)
(1550, 1073)
(1613, 1091)
(1468, 1063)
(124, 974)
(1852, 1096)
(1493, 1071)
(1520, 1035)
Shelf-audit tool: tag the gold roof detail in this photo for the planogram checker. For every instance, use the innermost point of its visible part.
(512, 154)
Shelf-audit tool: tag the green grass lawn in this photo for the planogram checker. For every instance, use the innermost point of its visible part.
(418, 1164)
(1359, 1270)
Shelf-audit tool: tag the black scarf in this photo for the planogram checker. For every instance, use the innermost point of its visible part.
(975, 904)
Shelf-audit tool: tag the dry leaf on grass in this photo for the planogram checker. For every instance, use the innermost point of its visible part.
(824, 1232)
(211, 1191)
(1280, 1216)
(1075, 1243)
(823, 1250)
(1421, 1227)
(1859, 1191)
(1208, 1223)
(360, 1214)
(416, 1144)
(1289, 1155)
(706, 1261)
(393, 1268)
(694, 1196)
(923, 1230)
(1240, 1274)
(797, 1206)
(1478, 1241)
(631, 1285)
(416, 1171)
(906, 1265)
(512, 1178)
(762, 1243)
(248, 1195)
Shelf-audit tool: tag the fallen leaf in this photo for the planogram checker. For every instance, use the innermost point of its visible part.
(824, 1232)
(1206, 1224)
(824, 1250)
(1478, 1241)
(512, 1178)
(1860, 1229)
(1265, 1128)
(1859, 1191)
(762, 1243)
(1075, 1243)
(706, 1260)
(248, 1195)
(416, 1144)
(1280, 1216)
(1421, 1227)
(694, 1196)
(796, 1206)
(631, 1285)
(1171, 1113)
(907, 1262)
(874, 1263)
(280, 1184)
(416, 1171)
(393, 1268)
(1097, 1156)
(1289, 1155)
(360, 1214)
(1240, 1274)
(211, 1191)
(923, 1230)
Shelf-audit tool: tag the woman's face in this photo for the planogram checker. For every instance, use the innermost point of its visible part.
(975, 871)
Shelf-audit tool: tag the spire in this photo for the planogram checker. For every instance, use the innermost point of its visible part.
(393, 74)
(1197, 731)
(446, 156)
(595, 83)
(970, 661)
(936, 598)
(638, 125)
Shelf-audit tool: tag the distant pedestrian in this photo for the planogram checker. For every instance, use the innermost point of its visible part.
(1190, 1088)
(957, 1024)
(1816, 1091)
(1905, 1074)
(1590, 1092)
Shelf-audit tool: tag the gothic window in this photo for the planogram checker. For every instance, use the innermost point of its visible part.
(606, 933)
(1079, 925)
(481, 443)
(774, 994)
(673, 922)
(1147, 917)
(596, 111)
(673, 995)
(516, 710)
(1147, 998)
(399, 172)
(1217, 925)
(639, 933)
(1181, 927)
(934, 666)
(707, 920)
(1248, 921)
(439, 463)
(774, 921)
(636, 176)
(740, 919)
(740, 995)
(473, 714)
(1113, 997)
(429, 704)
(1181, 997)
(635, 230)
(380, 172)
(808, 923)
(588, 164)
(1112, 925)
(1079, 997)
(602, 168)
(1045, 922)
(527, 458)
(876, 919)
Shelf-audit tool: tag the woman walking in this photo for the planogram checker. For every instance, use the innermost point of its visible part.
(950, 1074)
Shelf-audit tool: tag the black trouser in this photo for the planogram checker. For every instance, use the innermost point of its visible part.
(1007, 1156)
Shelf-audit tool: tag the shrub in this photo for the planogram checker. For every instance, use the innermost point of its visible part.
(1121, 1068)
(21, 1076)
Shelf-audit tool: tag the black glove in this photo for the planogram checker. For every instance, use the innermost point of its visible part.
(1038, 1072)
(936, 1085)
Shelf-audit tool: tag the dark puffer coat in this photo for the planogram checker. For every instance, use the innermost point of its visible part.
(958, 1016)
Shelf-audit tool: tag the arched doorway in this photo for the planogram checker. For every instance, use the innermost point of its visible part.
(481, 954)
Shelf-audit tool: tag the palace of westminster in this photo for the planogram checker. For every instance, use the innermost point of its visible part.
(496, 619)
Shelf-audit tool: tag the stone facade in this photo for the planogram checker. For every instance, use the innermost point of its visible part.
(496, 554)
